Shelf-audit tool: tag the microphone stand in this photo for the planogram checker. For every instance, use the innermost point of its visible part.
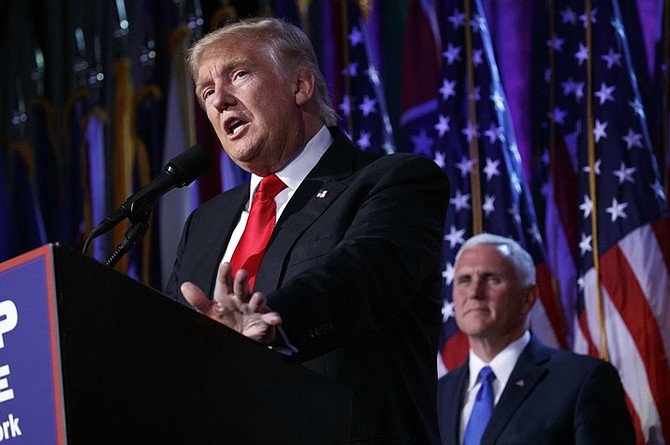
(130, 239)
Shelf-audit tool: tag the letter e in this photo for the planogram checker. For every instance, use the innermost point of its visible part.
(6, 393)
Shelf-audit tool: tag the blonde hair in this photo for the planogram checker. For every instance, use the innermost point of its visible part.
(288, 46)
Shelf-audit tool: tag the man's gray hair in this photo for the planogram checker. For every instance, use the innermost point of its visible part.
(289, 47)
(521, 260)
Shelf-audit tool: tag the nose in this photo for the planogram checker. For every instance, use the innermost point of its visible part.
(221, 99)
(476, 289)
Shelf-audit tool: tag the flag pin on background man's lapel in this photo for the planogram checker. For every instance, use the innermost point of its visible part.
(321, 194)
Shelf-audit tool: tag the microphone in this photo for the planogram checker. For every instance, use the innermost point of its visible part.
(178, 172)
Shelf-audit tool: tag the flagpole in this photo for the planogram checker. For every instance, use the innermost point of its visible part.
(477, 224)
(603, 349)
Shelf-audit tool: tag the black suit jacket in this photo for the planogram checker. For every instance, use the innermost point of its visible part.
(552, 397)
(353, 267)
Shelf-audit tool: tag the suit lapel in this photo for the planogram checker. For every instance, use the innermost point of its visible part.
(319, 189)
(527, 373)
(222, 223)
(452, 406)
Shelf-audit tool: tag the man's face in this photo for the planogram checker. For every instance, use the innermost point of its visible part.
(489, 301)
(252, 106)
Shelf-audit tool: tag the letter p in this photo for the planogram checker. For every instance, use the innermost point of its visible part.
(8, 318)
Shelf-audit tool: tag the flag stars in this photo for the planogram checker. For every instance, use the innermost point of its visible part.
(605, 93)
(422, 143)
(491, 168)
(489, 205)
(452, 54)
(592, 18)
(465, 166)
(364, 140)
(569, 86)
(455, 236)
(368, 106)
(632, 139)
(583, 54)
(442, 125)
(612, 58)
(475, 94)
(585, 244)
(471, 131)
(460, 201)
(514, 213)
(568, 16)
(373, 75)
(355, 37)
(345, 106)
(493, 133)
(440, 159)
(658, 190)
(351, 70)
(448, 308)
(579, 91)
(586, 207)
(616, 210)
(596, 167)
(599, 130)
(618, 27)
(498, 100)
(534, 233)
(476, 24)
(556, 43)
(625, 174)
(448, 89)
(558, 116)
(637, 107)
(477, 58)
(457, 19)
(581, 283)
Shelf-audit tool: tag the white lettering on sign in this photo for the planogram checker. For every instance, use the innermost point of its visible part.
(6, 393)
(8, 319)
(10, 428)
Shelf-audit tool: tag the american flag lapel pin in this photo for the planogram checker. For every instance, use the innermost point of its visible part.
(520, 383)
(321, 194)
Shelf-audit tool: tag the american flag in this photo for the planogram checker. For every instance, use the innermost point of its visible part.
(361, 105)
(467, 130)
(606, 207)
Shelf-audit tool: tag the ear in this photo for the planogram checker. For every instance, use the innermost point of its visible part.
(529, 297)
(304, 87)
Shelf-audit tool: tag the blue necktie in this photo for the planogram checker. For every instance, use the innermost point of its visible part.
(481, 410)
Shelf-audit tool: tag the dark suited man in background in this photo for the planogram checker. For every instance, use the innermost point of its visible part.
(348, 282)
(531, 393)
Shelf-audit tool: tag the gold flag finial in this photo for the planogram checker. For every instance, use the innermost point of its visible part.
(365, 6)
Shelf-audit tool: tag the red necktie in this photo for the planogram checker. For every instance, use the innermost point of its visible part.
(262, 215)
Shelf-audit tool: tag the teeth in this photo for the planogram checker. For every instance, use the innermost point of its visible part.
(235, 126)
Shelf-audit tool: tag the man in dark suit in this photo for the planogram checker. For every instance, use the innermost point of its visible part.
(539, 395)
(349, 281)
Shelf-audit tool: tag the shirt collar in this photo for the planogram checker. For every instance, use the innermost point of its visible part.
(296, 171)
(502, 364)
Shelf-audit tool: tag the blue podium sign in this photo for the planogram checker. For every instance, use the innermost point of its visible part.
(31, 390)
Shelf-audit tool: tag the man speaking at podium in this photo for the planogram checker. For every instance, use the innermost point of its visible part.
(329, 254)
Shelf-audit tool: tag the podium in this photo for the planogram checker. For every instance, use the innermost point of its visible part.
(91, 356)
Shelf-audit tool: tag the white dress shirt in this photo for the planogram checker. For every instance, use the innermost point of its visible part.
(292, 175)
(502, 366)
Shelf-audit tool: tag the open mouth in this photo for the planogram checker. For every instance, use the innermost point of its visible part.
(233, 126)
